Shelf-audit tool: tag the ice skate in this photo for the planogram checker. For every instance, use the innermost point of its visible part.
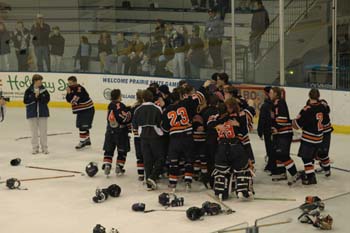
(151, 184)
(280, 177)
(119, 170)
(83, 144)
(107, 168)
(45, 151)
(309, 179)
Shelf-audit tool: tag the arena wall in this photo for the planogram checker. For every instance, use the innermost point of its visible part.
(13, 85)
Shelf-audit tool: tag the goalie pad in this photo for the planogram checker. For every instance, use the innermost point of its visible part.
(222, 181)
(244, 183)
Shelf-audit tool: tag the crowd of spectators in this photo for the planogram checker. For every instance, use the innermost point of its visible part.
(169, 50)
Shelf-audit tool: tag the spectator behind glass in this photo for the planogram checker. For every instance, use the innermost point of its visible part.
(195, 55)
(104, 49)
(21, 40)
(160, 28)
(166, 53)
(4, 48)
(260, 23)
(56, 42)
(122, 49)
(41, 31)
(179, 46)
(214, 32)
(154, 49)
(136, 49)
(83, 54)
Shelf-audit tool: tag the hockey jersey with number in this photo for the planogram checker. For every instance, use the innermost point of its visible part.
(79, 98)
(280, 117)
(118, 116)
(177, 118)
(311, 120)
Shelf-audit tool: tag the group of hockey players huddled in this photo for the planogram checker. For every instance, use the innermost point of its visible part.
(188, 134)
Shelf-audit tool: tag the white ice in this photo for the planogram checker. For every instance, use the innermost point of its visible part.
(65, 205)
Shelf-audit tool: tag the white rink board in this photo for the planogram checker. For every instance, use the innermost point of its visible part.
(99, 86)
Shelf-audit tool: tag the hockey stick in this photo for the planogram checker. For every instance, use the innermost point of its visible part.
(274, 199)
(58, 170)
(340, 169)
(50, 134)
(165, 210)
(255, 228)
(43, 178)
(227, 210)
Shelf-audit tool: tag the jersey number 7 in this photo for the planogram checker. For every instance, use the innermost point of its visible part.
(179, 117)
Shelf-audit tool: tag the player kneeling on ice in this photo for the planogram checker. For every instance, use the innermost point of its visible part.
(118, 118)
(231, 158)
(83, 107)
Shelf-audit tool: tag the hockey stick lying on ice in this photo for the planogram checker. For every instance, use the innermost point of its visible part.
(256, 228)
(57, 170)
(227, 210)
(50, 134)
(274, 199)
(43, 178)
(340, 169)
(166, 210)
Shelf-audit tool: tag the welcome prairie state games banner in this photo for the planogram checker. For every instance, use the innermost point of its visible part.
(99, 86)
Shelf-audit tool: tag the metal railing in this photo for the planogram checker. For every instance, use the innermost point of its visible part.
(294, 11)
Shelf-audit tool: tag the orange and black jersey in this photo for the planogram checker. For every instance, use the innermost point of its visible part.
(79, 98)
(177, 118)
(225, 129)
(118, 116)
(280, 117)
(327, 125)
(210, 114)
(311, 120)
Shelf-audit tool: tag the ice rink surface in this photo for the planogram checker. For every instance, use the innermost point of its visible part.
(65, 205)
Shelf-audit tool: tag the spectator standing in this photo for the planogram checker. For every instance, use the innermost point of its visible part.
(21, 40)
(136, 50)
(166, 53)
(214, 32)
(196, 55)
(83, 54)
(4, 48)
(122, 51)
(41, 31)
(57, 43)
(154, 49)
(160, 28)
(260, 23)
(179, 45)
(36, 99)
(104, 50)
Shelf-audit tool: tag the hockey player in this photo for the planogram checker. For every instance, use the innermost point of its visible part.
(311, 121)
(83, 107)
(232, 92)
(264, 128)
(137, 140)
(147, 119)
(118, 118)
(231, 155)
(282, 138)
(210, 113)
(177, 120)
(323, 154)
